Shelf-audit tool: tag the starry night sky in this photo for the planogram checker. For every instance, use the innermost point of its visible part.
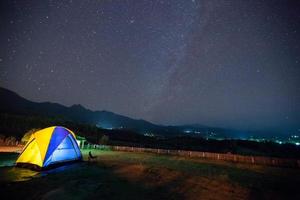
(233, 64)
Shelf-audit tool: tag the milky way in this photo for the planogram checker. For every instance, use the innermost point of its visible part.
(232, 64)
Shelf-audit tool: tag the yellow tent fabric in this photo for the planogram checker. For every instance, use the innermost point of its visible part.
(38, 144)
(36, 149)
(31, 155)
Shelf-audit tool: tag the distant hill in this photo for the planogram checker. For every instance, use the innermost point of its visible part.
(12, 103)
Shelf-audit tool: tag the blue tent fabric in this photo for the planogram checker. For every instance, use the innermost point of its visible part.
(58, 135)
(62, 147)
(64, 152)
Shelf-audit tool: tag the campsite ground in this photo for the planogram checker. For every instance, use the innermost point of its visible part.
(124, 175)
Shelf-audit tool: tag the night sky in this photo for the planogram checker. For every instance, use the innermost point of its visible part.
(233, 64)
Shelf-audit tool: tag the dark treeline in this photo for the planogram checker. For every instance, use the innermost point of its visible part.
(18, 125)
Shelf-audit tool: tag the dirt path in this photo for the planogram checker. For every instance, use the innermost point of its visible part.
(11, 149)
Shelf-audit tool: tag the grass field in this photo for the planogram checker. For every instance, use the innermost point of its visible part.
(126, 175)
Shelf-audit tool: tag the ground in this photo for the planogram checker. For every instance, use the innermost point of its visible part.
(127, 175)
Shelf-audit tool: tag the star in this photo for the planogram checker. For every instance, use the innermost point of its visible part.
(131, 21)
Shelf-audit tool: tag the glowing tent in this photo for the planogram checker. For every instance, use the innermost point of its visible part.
(50, 146)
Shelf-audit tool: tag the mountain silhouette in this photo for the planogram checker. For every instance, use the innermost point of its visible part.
(12, 103)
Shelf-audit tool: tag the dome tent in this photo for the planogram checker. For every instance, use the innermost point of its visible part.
(50, 146)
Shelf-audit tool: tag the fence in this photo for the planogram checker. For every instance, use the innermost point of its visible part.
(257, 160)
